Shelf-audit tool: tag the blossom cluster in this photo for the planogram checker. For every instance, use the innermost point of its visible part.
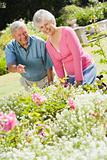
(7, 122)
(38, 99)
(71, 103)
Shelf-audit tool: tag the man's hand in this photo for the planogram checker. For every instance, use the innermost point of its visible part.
(20, 68)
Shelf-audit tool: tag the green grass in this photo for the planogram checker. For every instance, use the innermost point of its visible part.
(97, 57)
(10, 84)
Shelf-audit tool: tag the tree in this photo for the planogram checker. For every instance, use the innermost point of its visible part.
(16, 9)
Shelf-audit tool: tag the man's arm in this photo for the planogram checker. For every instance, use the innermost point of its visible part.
(16, 68)
(11, 59)
(50, 75)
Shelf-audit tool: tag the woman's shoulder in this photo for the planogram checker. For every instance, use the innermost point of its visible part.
(67, 29)
(68, 32)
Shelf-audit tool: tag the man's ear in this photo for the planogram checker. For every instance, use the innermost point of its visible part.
(13, 36)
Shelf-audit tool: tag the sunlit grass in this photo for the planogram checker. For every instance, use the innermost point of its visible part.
(97, 57)
(9, 84)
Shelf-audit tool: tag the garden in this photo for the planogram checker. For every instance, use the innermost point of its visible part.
(56, 122)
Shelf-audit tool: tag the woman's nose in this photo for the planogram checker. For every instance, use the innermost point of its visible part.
(44, 29)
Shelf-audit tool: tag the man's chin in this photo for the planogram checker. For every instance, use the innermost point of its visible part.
(24, 43)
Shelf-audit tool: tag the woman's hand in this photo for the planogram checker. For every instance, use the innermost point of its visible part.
(78, 83)
(63, 81)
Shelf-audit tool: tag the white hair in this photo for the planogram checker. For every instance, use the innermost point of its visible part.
(16, 25)
(43, 15)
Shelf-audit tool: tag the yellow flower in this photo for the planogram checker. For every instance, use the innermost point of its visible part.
(62, 80)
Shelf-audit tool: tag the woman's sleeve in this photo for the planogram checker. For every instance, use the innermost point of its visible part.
(76, 50)
(57, 63)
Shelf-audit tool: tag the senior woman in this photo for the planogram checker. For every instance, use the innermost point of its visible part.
(65, 50)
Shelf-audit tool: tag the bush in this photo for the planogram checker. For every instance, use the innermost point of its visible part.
(105, 10)
(3, 69)
(67, 14)
(84, 16)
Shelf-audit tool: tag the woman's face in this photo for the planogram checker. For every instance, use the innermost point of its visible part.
(47, 27)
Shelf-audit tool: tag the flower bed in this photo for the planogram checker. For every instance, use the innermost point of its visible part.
(55, 123)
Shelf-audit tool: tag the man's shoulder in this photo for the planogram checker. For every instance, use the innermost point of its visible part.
(36, 38)
(11, 43)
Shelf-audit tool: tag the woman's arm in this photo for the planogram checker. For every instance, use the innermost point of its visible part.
(76, 51)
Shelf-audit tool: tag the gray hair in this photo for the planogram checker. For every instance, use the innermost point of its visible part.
(16, 25)
(43, 15)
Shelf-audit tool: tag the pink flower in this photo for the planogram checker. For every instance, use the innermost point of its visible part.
(38, 99)
(7, 122)
(71, 103)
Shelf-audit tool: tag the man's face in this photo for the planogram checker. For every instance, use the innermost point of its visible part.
(21, 35)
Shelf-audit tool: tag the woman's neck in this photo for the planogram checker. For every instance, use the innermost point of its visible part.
(55, 34)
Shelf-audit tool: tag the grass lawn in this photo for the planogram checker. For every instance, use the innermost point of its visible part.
(10, 84)
(97, 57)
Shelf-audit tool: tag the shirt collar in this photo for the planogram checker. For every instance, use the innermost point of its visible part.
(29, 42)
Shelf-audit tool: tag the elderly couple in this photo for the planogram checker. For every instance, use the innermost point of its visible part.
(33, 58)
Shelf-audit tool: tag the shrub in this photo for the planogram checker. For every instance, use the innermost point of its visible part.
(84, 16)
(105, 10)
(67, 14)
(3, 69)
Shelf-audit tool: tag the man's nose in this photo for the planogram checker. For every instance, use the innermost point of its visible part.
(23, 36)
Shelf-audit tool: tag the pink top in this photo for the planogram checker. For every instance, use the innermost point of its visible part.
(70, 56)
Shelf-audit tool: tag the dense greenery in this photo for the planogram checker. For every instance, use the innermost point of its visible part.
(84, 16)
(25, 9)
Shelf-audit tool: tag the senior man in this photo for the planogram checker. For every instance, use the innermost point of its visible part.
(28, 56)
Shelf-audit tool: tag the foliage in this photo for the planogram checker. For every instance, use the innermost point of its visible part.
(15, 11)
(5, 38)
(105, 10)
(99, 48)
(3, 69)
(68, 13)
(84, 16)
